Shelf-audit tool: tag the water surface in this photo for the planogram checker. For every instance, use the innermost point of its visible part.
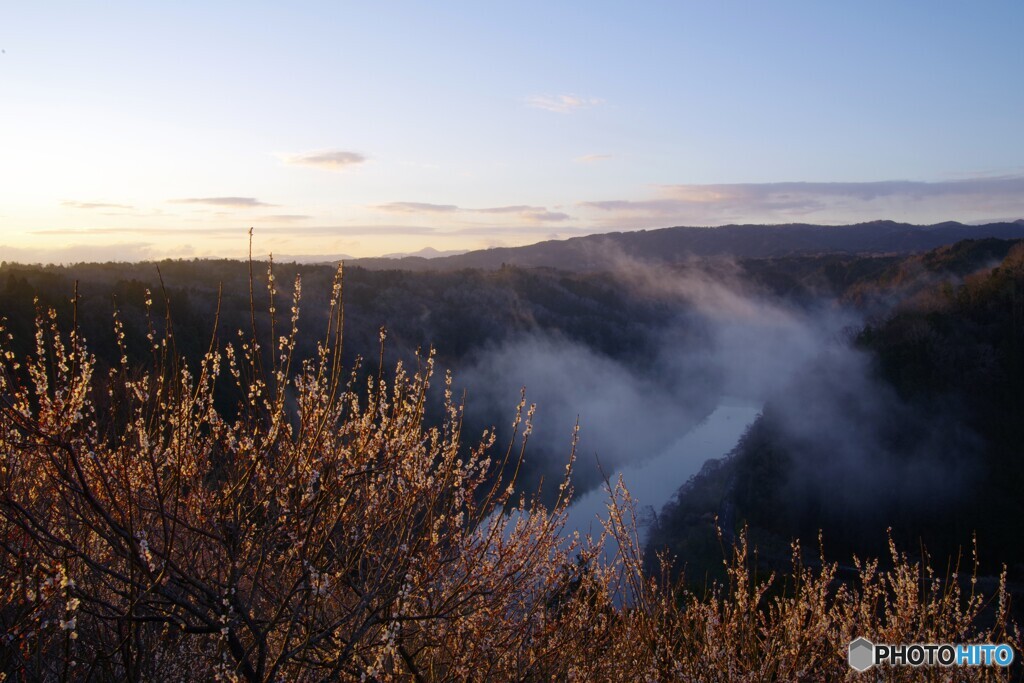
(652, 482)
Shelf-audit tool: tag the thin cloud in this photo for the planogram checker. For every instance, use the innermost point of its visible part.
(94, 205)
(417, 207)
(94, 253)
(519, 208)
(384, 230)
(235, 202)
(298, 231)
(531, 214)
(913, 201)
(331, 160)
(593, 158)
(545, 216)
(534, 214)
(542, 230)
(562, 104)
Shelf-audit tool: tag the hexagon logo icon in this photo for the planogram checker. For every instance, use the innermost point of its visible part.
(862, 654)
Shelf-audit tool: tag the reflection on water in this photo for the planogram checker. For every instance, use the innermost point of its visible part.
(653, 481)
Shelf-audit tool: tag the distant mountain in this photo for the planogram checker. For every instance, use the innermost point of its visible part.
(669, 245)
(427, 253)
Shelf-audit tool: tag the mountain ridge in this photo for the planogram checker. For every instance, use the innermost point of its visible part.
(679, 243)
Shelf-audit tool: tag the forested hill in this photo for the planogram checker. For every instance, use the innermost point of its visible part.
(672, 245)
(930, 402)
(918, 429)
(459, 311)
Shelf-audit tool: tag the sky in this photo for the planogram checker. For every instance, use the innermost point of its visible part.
(138, 130)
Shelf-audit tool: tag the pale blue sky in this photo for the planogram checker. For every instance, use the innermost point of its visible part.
(358, 128)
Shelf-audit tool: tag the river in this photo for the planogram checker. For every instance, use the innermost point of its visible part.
(653, 481)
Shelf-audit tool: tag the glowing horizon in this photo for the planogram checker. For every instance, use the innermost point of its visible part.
(135, 132)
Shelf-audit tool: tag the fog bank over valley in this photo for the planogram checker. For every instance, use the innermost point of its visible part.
(725, 344)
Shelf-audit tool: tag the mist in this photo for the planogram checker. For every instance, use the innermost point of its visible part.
(723, 342)
(855, 450)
